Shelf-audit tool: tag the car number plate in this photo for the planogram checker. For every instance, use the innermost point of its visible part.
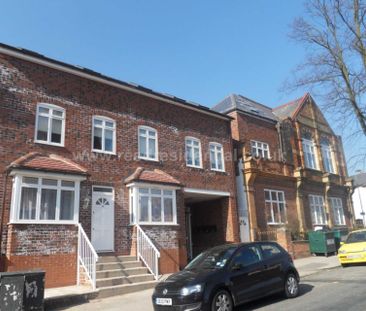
(354, 256)
(164, 301)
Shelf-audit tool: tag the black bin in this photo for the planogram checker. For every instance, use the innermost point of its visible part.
(22, 291)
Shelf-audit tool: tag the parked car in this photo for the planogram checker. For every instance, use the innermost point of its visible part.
(353, 250)
(229, 275)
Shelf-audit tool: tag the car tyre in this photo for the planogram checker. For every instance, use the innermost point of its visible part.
(291, 286)
(222, 301)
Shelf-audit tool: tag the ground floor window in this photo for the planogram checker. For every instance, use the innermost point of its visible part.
(153, 205)
(317, 210)
(275, 206)
(338, 213)
(45, 199)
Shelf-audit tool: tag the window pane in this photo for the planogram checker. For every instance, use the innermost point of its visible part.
(196, 157)
(28, 203)
(56, 131)
(152, 133)
(219, 161)
(143, 190)
(30, 180)
(168, 192)
(43, 110)
(269, 251)
(109, 124)
(48, 204)
(280, 196)
(144, 209)
(67, 205)
(42, 128)
(282, 213)
(57, 113)
(152, 148)
(49, 182)
(155, 191)
(168, 210)
(189, 155)
(98, 122)
(142, 147)
(276, 214)
(66, 183)
(267, 195)
(108, 140)
(97, 141)
(269, 212)
(156, 209)
(212, 159)
(142, 132)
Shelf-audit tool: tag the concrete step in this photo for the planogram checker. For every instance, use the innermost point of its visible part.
(108, 258)
(124, 280)
(118, 265)
(124, 289)
(121, 272)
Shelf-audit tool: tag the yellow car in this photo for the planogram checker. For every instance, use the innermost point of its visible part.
(353, 250)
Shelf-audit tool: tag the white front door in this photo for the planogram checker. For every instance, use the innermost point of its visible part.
(103, 219)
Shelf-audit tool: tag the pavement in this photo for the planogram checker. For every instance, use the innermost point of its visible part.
(141, 301)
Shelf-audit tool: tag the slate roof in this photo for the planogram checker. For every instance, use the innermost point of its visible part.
(49, 163)
(359, 180)
(244, 104)
(152, 176)
(130, 85)
(290, 109)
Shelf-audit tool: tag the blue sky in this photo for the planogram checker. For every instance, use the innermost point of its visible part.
(200, 50)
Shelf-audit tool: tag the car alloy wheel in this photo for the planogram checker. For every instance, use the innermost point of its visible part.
(222, 302)
(291, 286)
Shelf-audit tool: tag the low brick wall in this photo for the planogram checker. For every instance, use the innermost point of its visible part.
(300, 249)
(52, 248)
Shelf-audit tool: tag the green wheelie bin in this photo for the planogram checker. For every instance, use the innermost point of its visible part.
(322, 242)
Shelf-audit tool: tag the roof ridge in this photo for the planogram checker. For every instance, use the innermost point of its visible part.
(292, 101)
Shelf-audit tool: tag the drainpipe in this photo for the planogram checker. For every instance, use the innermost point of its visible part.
(3, 211)
(278, 127)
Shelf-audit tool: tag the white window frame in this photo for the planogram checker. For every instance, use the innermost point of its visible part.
(310, 156)
(317, 208)
(216, 146)
(147, 136)
(189, 142)
(259, 151)
(283, 221)
(17, 190)
(327, 156)
(338, 211)
(50, 117)
(135, 203)
(104, 128)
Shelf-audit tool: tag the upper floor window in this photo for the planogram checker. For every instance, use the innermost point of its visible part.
(309, 154)
(317, 210)
(104, 134)
(327, 158)
(193, 152)
(148, 143)
(217, 157)
(45, 199)
(275, 206)
(153, 205)
(338, 213)
(50, 124)
(259, 149)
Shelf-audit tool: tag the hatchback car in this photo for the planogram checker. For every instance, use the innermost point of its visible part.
(229, 275)
(353, 250)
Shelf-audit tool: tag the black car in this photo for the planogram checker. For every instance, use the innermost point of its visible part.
(229, 275)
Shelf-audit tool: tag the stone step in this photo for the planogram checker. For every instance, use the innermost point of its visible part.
(121, 272)
(124, 289)
(124, 280)
(118, 265)
(108, 258)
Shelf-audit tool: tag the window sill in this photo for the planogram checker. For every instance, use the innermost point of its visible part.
(30, 222)
(218, 171)
(104, 152)
(276, 223)
(155, 224)
(195, 167)
(48, 143)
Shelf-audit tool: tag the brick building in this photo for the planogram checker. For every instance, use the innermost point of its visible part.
(80, 147)
(292, 168)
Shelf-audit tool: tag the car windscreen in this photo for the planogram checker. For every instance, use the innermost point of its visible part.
(356, 237)
(215, 258)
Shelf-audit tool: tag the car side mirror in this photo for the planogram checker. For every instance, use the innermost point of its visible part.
(236, 267)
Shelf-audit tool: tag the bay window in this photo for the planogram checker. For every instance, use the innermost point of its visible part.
(153, 205)
(50, 125)
(338, 212)
(317, 210)
(45, 199)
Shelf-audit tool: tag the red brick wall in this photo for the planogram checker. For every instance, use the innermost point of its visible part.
(25, 84)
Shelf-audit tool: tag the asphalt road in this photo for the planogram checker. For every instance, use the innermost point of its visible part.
(335, 289)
